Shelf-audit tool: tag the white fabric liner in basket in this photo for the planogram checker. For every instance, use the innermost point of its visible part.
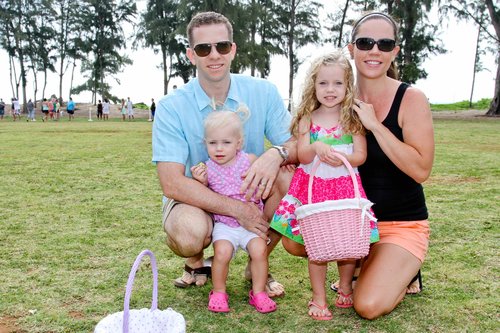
(142, 320)
(336, 229)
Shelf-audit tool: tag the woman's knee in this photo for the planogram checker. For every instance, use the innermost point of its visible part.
(367, 308)
(370, 307)
(293, 247)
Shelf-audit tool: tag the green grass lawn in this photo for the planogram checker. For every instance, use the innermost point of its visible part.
(80, 200)
(482, 104)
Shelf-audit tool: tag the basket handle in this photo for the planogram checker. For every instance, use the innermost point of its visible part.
(130, 282)
(347, 165)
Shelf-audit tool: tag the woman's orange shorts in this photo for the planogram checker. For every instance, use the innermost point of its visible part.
(413, 236)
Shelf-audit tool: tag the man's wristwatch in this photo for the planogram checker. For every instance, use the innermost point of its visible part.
(283, 153)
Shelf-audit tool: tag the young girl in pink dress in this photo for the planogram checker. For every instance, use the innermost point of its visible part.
(222, 173)
(324, 120)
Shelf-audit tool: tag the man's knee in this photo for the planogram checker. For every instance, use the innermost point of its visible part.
(187, 234)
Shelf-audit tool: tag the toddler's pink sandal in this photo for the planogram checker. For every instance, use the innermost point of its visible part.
(261, 302)
(218, 302)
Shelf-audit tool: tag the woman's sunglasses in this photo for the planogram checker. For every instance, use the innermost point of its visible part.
(384, 44)
(204, 49)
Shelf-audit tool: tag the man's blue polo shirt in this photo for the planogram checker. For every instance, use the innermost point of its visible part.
(178, 125)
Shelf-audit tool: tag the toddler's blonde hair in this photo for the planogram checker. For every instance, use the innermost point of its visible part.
(233, 120)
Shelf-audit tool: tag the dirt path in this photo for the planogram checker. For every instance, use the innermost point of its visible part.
(467, 114)
(82, 111)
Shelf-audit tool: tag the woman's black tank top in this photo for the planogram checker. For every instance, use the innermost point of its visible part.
(396, 196)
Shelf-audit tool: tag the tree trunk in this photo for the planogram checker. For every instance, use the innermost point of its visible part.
(12, 74)
(23, 77)
(35, 86)
(494, 109)
(72, 77)
(252, 42)
(475, 67)
(291, 54)
(341, 32)
(253, 32)
(165, 74)
(44, 82)
(61, 77)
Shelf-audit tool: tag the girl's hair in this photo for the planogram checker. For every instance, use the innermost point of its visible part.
(349, 120)
(392, 72)
(228, 119)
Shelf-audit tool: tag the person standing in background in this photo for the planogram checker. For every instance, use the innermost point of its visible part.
(130, 109)
(123, 109)
(2, 109)
(57, 108)
(99, 110)
(70, 108)
(45, 110)
(153, 108)
(16, 109)
(105, 109)
(51, 108)
(31, 111)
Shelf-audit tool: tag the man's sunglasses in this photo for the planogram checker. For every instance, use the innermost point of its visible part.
(204, 49)
(384, 44)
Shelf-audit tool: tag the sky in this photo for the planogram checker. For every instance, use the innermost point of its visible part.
(449, 75)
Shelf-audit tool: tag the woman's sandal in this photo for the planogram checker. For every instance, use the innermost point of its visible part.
(261, 302)
(218, 302)
(335, 285)
(323, 310)
(415, 286)
(190, 276)
(343, 300)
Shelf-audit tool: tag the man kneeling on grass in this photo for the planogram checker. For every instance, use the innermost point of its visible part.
(178, 145)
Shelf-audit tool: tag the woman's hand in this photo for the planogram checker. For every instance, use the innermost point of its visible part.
(366, 114)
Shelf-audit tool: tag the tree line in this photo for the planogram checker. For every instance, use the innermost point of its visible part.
(42, 36)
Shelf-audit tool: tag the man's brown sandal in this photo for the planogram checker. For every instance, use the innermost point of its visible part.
(190, 276)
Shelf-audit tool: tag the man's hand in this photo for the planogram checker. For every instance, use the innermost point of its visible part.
(260, 177)
(252, 219)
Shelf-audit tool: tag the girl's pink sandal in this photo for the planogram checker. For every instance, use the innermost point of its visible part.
(261, 302)
(325, 314)
(343, 300)
(218, 302)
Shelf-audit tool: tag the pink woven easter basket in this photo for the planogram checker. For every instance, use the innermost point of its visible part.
(335, 229)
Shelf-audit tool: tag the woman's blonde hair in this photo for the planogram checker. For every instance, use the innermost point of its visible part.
(349, 120)
(228, 119)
